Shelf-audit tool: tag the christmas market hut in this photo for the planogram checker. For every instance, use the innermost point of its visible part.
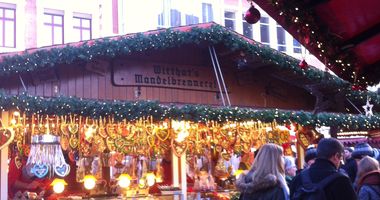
(166, 112)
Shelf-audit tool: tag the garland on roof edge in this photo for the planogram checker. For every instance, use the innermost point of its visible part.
(48, 58)
(169, 38)
(198, 113)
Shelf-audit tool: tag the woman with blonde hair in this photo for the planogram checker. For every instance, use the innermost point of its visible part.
(266, 179)
(368, 179)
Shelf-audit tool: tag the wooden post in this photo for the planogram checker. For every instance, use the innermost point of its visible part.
(4, 163)
(175, 170)
(183, 177)
(300, 156)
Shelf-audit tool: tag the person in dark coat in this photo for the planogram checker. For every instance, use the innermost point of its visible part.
(266, 178)
(361, 150)
(310, 156)
(368, 179)
(329, 154)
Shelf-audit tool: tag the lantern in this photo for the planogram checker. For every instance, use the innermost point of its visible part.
(89, 182)
(58, 185)
(124, 180)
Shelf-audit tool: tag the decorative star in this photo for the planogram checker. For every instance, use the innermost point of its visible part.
(368, 108)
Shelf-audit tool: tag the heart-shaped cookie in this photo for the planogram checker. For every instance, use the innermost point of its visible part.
(18, 162)
(226, 156)
(102, 131)
(73, 142)
(111, 130)
(62, 170)
(40, 170)
(64, 129)
(73, 128)
(110, 144)
(162, 134)
(64, 142)
(151, 140)
(179, 148)
(6, 137)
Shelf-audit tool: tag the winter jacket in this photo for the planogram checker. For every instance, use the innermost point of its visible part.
(340, 188)
(351, 168)
(369, 186)
(265, 188)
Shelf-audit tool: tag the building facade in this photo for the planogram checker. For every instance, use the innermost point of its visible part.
(26, 24)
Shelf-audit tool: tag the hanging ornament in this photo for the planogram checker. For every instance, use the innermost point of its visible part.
(46, 155)
(306, 39)
(6, 136)
(252, 15)
(368, 108)
(355, 87)
(303, 64)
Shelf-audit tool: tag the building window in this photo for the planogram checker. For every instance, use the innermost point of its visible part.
(281, 41)
(264, 30)
(191, 19)
(229, 20)
(247, 29)
(296, 46)
(7, 27)
(207, 15)
(175, 17)
(53, 24)
(82, 28)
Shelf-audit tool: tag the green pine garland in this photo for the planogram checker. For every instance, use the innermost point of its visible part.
(169, 38)
(197, 113)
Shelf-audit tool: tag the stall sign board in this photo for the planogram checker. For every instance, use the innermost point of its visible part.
(145, 74)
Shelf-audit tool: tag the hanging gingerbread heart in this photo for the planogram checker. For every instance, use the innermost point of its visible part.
(64, 127)
(111, 130)
(110, 144)
(98, 144)
(18, 162)
(226, 156)
(6, 137)
(73, 128)
(62, 170)
(73, 142)
(40, 170)
(151, 140)
(64, 142)
(179, 148)
(161, 133)
(119, 144)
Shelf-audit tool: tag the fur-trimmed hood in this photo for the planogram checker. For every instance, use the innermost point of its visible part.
(246, 184)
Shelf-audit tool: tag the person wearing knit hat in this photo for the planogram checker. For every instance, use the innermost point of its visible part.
(310, 156)
(361, 150)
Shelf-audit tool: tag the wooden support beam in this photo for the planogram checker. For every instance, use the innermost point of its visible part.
(4, 116)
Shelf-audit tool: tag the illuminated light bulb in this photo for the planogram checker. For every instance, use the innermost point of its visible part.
(150, 179)
(124, 180)
(238, 173)
(58, 185)
(89, 182)
(16, 113)
(13, 121)
(142, 183)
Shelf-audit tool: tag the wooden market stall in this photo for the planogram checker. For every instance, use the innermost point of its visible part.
(158, 112)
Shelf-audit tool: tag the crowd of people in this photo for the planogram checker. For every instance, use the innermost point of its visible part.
(331, 171)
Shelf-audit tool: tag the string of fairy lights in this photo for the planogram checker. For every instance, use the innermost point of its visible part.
(169, 38)
(297, 14)
(134, 110)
